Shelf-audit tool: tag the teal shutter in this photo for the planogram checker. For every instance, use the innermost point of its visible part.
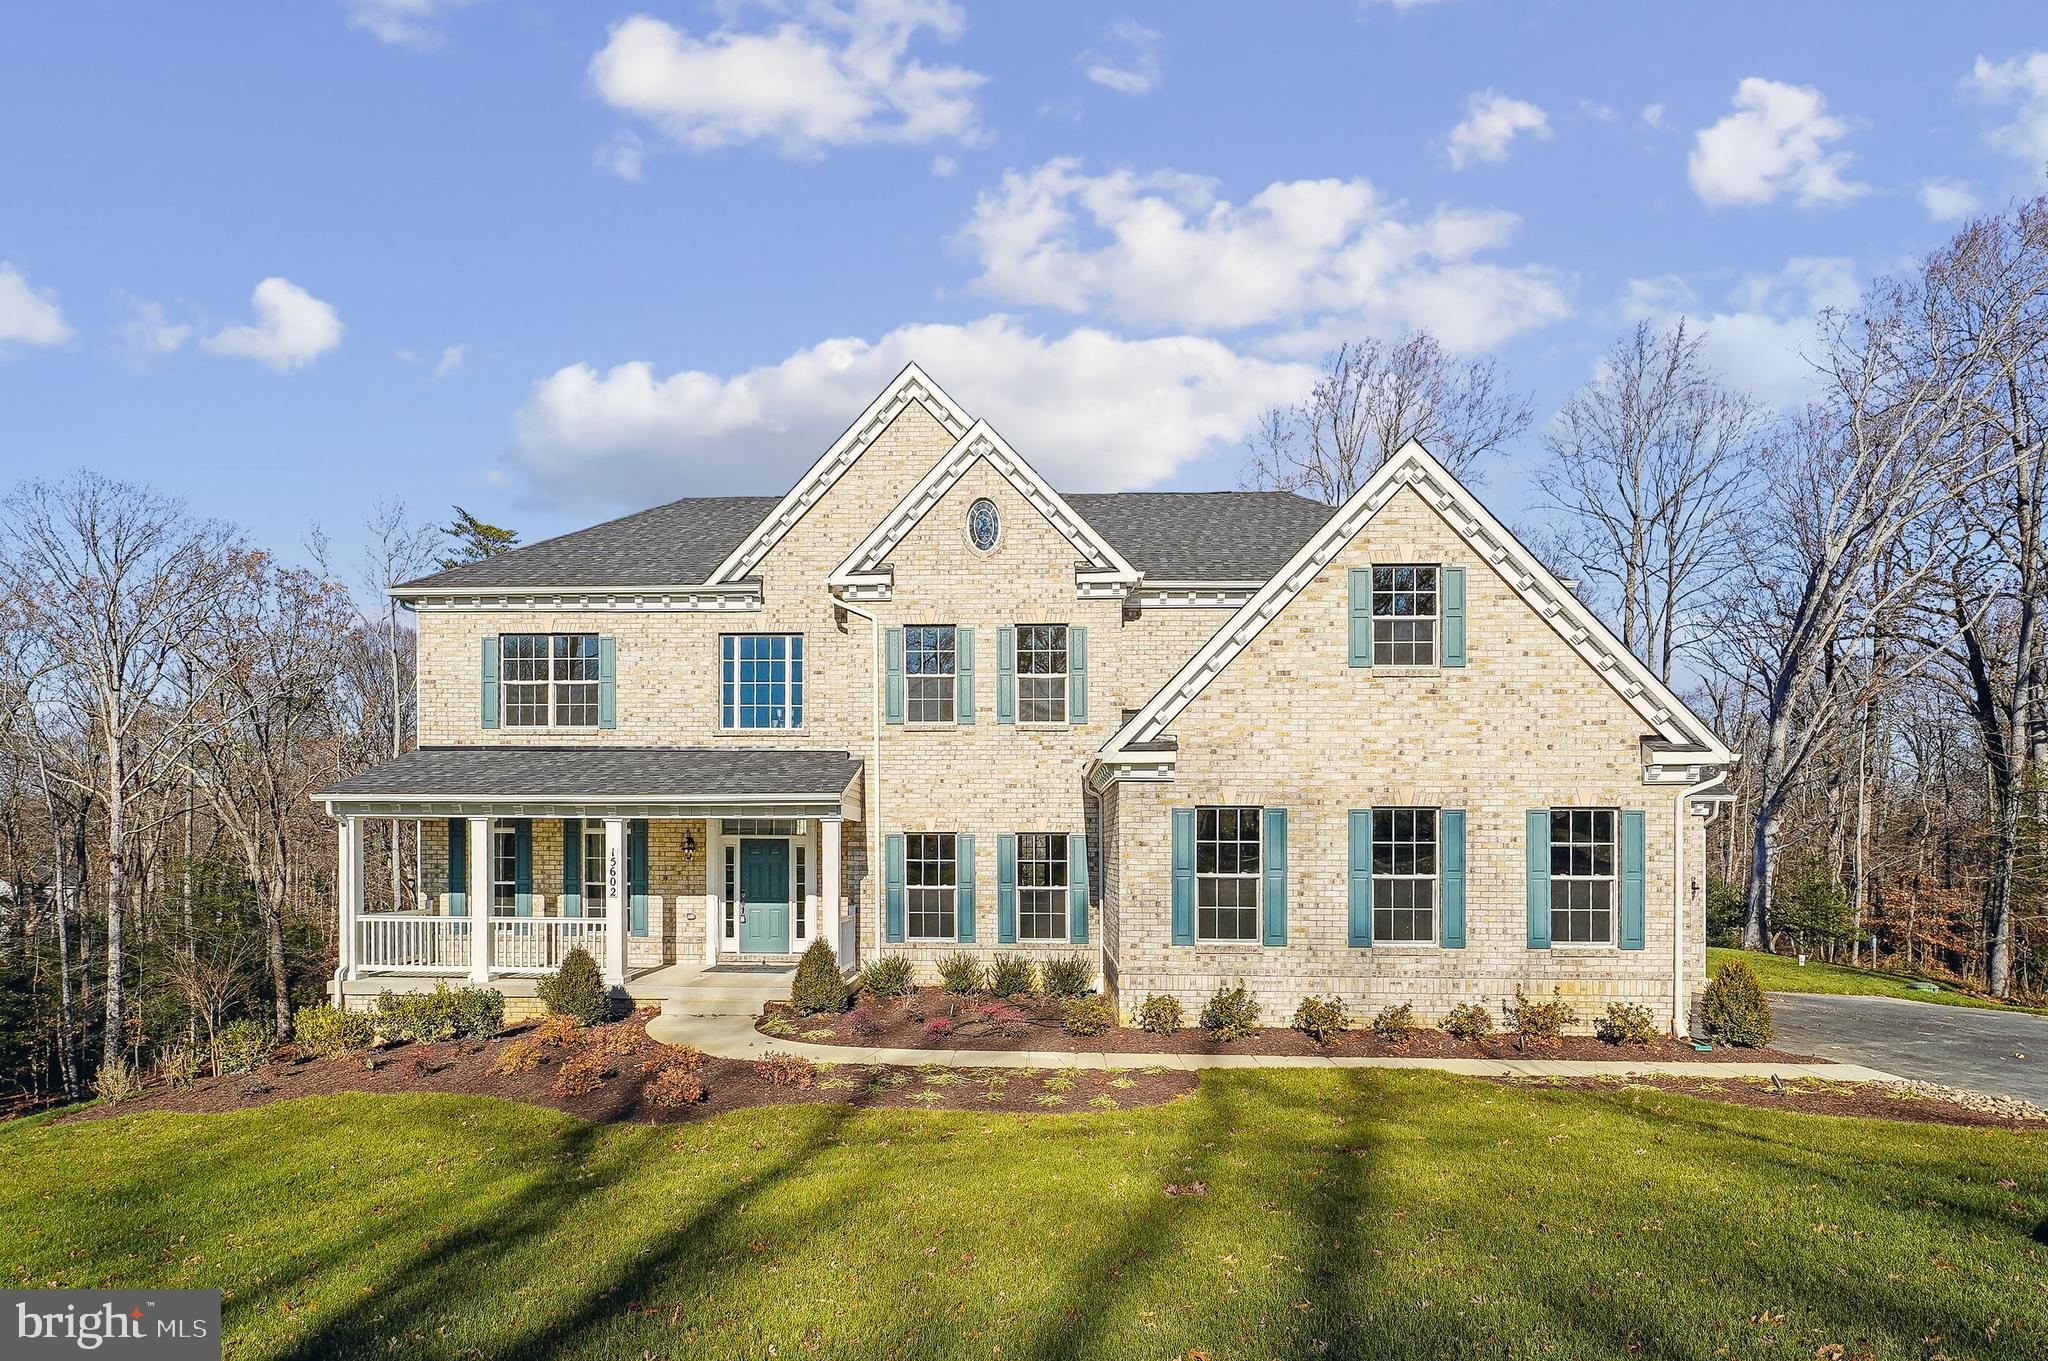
(892, 687)
(1361, 616)
(1006, 675)
(963, 889)
(963, 663)
(1273, 855)
(892, 878)
(1361, 877)
(607, 682)
(1451, 877)
(1077, 675)
(458, 866)
(1006, 889)
(1632, 855)
(636, 877)
(1451, 600)
(1539, 878)
(490, 682)
(522, 867)
(572, 867)
(1077, 889)
(1183, 876)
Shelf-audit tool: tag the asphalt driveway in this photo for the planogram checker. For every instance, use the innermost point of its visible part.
(1995, 1052)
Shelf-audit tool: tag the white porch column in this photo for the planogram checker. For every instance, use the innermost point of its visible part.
(831, 910)
(350, 883)
(615, 901)
(477, 884)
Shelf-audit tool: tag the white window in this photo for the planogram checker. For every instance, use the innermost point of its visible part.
(732, 890)
(1227, 874)
(800, 870)
(1404, 615)
(1404, 866)
(928, 885)
(1581, 876)
(504, 871)
(930, 672)
(593, 870)
(1042, 886)
(1041, 673)
(761, 680)
(549, 679)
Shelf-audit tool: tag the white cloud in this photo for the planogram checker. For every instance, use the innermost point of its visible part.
(1775, 142)
(839, 75)
(292, 328)
(944, 166)
(402, 23)
(1493, 120)
(1595, 110)
(2020, 83)
(1126, 60)
(26, 314)
(451, 360)
(1163, 250)
(624, 155)
(1758, 333)
(1092, 411)
(1653, 116)
(1948, 200)
(149, 332)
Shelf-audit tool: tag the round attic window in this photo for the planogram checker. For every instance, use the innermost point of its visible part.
(984, 525)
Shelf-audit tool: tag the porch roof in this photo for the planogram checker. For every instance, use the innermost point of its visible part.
(615, 781)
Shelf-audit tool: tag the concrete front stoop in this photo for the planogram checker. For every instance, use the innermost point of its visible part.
(721, 992)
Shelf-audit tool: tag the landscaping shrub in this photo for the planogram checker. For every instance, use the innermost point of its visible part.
(241, 1045)
(1066, 976)
(583, 1074)
(1089, 1015)
(865, 1023)
(1468, 1021)
(613, 1041)
(177, 1065)
(960, 974)
(443, 1014)
(1321, 1018)
(1005, 1020)
(476, 1013)
(576, 989)
(1539, 1020)
(1733, 1009)
(557, 1030)
(679, 1081)
(1160, 1015)
(888, 976)
(1010, 976)
(1627, 1023)
(818, 985)
(1396, 1025)
(788, 1070)
(520, 1056)
(938, 1027)
(115, 1081)
(330, 1033)
(1230, 1014)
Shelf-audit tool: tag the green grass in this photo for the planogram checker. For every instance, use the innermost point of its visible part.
(1777, 973)
(1351, 1214)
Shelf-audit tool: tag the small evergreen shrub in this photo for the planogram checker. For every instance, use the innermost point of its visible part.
(818, 985)
(1066, 976)
(1539, 1020)
(1396, 1025)
(1010, 976)
(1733, 1009)
(330, 1033)
(888, 976)
(1089, 1015)
(960, 974)
(444, 1014)
(583, 1074)
(1321, 1018)
(177, 1065)
(116, 1081)
(1160, 1015)
(1230, 1014)
(788, 1070)
(241, 1045)
(1468, 1021)
(476, 1013)
(1627, 1023)
(576, 989)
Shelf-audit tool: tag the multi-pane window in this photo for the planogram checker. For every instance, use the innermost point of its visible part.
(1226, 874)
(930, 667)
(1404, 865)
(761, 680)
(1041, 886)
(732, 889)
(593, 870)
(504, 871)
(1404, 614)
(800, 889)
(1581, 875)
(549, 679)
(1041, 673)
(928, 884)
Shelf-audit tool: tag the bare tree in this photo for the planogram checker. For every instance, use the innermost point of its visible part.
(398, 550)
(1372, 398)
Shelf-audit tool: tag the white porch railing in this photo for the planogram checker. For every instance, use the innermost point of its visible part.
(410, 942)
(539, 944)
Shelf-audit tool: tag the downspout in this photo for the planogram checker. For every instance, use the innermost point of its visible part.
(1681, 1014)
(872, 841)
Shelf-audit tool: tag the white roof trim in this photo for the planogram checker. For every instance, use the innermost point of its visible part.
(1100, 559)
(911, 385)
(1524, 573)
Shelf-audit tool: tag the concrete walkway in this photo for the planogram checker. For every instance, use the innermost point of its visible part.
(734, 1037)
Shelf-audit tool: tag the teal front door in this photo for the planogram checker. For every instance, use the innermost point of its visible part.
(764, 897)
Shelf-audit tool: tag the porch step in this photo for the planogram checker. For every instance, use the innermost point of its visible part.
(728, 992)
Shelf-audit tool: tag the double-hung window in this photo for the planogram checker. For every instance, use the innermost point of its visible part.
(1404, 875)
(1582, 876)
(504, 870)
(550, 679)
(1227, 874)
(1041, 673)
(593, 869)
(929, 884)
(1404, 616)
(761, 681)
(1042, 886)
(931, 672)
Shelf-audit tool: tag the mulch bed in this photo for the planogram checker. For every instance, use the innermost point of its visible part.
(463, 1068)
(1037, 1026)
(1810, 1096)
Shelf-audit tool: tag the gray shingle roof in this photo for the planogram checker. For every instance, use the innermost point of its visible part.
(1203, 535)
(621, 772)
(678, 544)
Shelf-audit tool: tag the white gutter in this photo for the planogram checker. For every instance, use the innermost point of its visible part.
(874, 806)
(1681, 1014)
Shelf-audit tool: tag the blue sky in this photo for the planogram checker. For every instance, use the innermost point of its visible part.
(555, 262)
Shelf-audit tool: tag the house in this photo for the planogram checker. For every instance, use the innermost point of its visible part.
(922, 702)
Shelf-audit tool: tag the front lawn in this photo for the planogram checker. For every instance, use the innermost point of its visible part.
(1356, 1213)
(1778, 973)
